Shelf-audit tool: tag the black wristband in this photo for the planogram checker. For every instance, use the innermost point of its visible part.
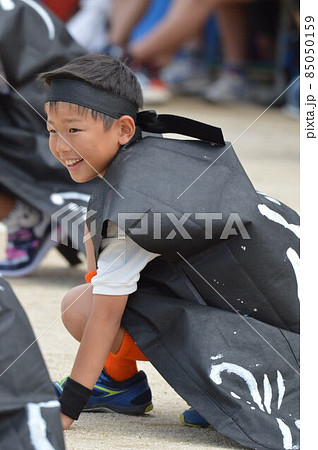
(73, 399)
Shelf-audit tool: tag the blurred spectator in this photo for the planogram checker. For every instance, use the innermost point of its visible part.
(135, 19)
(89, 25)
(151, 33)
(169, 27)
(183, 20)
(186, 19)
(106, 25)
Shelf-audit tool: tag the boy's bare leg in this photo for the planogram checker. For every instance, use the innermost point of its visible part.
(76, 308)
(6, 204)
(125, 15)
(184, 20)
(232, 21)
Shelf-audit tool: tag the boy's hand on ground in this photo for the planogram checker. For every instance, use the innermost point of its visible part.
(66, 421)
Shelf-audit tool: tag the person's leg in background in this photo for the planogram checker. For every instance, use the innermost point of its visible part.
(231, 84)
(184, 19)
(129, 21)
(232, 20)
(125, 15)
(155, 48)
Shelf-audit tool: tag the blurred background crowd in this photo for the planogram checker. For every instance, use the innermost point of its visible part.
(220, 50)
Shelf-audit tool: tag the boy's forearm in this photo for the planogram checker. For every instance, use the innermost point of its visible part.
(99, 334)
(96, 344)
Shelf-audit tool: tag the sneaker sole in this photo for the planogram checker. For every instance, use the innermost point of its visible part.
(137, 411)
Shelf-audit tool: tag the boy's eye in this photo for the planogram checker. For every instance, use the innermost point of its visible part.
(73, 130)
(51, 131)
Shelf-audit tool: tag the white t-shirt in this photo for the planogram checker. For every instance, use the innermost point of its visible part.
(119, 264)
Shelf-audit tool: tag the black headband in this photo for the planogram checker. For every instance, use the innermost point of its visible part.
(84, 94)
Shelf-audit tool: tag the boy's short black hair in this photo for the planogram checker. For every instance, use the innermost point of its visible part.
(104, 72)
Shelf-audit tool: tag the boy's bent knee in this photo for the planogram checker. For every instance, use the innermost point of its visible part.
(72, 296)
(67, 301)
(75, 308)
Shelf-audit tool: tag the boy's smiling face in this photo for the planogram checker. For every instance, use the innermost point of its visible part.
(81, 143)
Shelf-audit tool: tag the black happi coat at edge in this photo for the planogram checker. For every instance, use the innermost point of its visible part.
(29, 411)
(218, 318)
(33, 40)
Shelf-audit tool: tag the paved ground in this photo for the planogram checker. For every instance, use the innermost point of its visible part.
(269, 152)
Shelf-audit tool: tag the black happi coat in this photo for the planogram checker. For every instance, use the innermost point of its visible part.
(33, 40)
(218, 318)
(29, 411)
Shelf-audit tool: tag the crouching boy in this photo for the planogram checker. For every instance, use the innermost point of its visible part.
(189, 266)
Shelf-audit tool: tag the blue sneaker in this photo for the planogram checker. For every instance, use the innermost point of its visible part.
(192, 418)
(132, 396)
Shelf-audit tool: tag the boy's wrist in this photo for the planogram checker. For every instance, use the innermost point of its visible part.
(66, 421)
(73, 399)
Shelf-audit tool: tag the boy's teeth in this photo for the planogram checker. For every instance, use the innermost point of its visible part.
(71, 162)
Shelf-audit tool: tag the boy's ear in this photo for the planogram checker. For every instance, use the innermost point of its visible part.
(127, 129)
